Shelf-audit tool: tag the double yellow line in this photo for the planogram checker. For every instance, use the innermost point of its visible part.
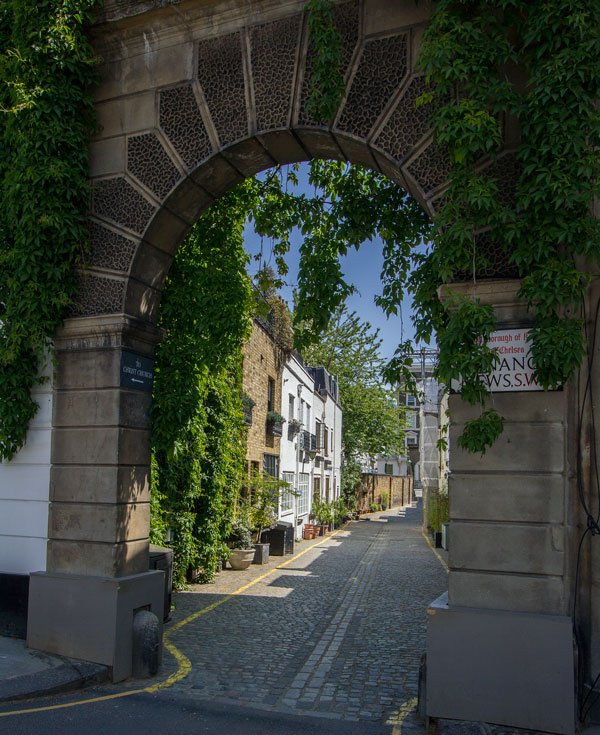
(184, 665)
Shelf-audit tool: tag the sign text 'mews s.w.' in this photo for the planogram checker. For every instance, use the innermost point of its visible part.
(514, 367)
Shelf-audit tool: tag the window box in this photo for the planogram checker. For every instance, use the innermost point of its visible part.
(275, 423)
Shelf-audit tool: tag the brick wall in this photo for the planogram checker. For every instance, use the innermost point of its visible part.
(380, 488)
(262, 360)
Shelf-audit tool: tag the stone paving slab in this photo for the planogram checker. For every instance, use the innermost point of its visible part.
(25, 673)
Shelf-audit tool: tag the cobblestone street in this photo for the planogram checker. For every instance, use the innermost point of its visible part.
(337, 632)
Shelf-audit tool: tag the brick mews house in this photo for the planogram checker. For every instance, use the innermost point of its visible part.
(303, 449)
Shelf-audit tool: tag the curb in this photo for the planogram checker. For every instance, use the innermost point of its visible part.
(66, 677)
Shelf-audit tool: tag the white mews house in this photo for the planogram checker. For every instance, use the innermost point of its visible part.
(310, 453)
(298, 443)
(24, 492)
(328, 430)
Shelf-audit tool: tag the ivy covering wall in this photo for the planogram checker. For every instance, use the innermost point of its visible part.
(198, 441)
(47, 118)
(536, 65)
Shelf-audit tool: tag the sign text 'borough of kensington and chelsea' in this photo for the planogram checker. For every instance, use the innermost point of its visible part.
(514, 368)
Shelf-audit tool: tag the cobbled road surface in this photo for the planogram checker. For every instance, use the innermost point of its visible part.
(337, 633)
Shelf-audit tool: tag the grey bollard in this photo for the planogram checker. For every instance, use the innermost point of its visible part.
(146, 645)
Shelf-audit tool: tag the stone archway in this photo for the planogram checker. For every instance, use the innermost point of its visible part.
(195, 97)
(188, 109)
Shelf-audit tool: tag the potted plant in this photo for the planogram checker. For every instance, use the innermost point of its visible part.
(275, 423)
(341, 512)
(437, 515)
(294, 426)
(239, 541)
(262, 511)
(323, 514)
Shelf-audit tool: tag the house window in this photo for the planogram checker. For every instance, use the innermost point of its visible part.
(290, 407)
(287, 494)
(303, 479)
(271, 395)
(319, 433)
(326, 443)
(412, 440)
(271, 464)
(411, 400)
(388, 469)
(317, 488)
(307, 414)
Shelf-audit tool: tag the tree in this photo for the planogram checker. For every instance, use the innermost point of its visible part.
(373, 423)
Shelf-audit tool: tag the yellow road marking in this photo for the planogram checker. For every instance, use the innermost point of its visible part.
(403, 712)
(184, 665)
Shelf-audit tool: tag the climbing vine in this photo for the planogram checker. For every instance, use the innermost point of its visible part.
(534, 63)
(471, 52)
(327, 78)
(47, 66)
(197, 421)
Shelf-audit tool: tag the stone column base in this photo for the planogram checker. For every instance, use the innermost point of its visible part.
(508, 668)
(91, 618)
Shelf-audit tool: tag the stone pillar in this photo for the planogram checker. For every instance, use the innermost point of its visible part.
(97, 573)
(500, 645)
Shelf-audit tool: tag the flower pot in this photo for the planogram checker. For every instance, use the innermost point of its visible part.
(309, 531)
(261, 554)
(241, 558)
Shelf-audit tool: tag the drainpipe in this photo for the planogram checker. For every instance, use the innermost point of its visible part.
(297, 473)
(335, 488)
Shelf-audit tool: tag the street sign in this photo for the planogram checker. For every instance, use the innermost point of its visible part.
(514, 367)
(513, 372)
(137, 371)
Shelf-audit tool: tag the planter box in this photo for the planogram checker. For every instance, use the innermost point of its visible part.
(261, 554)
(274, 428)
(445, 529)
(309, 531)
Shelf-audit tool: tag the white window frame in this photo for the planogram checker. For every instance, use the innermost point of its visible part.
(286, 501)
(303, 493)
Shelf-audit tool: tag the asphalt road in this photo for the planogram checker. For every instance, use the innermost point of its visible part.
(163, 715)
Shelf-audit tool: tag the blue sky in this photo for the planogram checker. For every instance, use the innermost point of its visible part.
(362, 268)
